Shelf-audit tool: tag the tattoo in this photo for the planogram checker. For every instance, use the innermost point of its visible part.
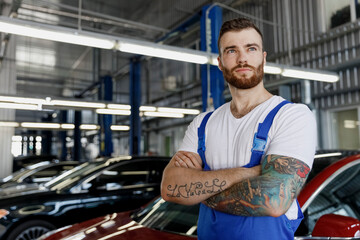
(287, 165)
(270, 194)
(196, 188)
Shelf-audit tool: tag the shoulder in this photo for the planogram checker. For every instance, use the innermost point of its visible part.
(217, 112)
(292, 110)
(297, 111)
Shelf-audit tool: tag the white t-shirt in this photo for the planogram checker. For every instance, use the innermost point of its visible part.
(229, 140)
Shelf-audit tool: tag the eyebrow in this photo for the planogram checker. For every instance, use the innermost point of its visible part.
(247, 45)
(252, 45)
(229, 47)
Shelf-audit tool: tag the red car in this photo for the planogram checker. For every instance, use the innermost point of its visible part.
(330, 202)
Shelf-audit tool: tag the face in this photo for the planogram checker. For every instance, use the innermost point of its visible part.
(241, 58)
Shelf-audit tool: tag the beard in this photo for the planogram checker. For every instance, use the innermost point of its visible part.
(243, 82)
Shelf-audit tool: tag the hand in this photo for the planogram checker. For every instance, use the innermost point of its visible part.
(188, 160)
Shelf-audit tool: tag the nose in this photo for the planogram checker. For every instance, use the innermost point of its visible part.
(241, 57)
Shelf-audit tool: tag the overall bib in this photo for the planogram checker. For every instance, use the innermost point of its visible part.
(218, 225)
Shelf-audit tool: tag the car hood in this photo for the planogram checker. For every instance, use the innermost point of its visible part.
(114, 226)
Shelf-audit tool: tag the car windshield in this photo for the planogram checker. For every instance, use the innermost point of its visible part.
(170, 217)
(71, 177)
(15, 176)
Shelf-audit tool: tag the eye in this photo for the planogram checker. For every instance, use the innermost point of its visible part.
(251, 49)
(230, 51)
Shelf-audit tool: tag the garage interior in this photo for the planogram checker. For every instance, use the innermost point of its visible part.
(131, 102)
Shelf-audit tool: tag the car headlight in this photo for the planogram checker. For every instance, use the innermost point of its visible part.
(3, 213)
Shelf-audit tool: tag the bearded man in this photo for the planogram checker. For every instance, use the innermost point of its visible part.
(246, 161)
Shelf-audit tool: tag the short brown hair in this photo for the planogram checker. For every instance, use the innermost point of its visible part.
(236, 25)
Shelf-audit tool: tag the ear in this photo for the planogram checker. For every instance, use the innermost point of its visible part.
(265, 54)
(220, 66)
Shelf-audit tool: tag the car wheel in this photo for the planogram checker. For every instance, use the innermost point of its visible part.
(30, 230)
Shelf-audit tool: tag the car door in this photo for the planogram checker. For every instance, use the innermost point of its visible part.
(339, 195)
(124, 186)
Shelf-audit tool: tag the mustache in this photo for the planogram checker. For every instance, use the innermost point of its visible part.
(243, 66)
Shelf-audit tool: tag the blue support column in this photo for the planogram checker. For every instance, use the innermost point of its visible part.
(105, 120)
(77, 136)
(135, 101)
(62, 135)
(46, 141)
(215, 75)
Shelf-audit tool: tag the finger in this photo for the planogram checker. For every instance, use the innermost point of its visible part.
(179, 161)
(195, 160)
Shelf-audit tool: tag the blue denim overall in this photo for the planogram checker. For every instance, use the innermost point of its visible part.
(218, 225)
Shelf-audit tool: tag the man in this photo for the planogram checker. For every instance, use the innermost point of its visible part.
(241, 198)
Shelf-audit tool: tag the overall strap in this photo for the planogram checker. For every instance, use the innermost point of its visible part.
(260, 137)
(201, 140)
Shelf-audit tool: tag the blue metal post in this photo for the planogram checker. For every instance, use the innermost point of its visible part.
(77, 136)
(46, 141)
(135, 101)
(216, 77)
(106, 146)
(62, 135)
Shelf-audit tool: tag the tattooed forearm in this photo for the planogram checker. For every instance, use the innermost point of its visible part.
(270, 194)
(196, 188)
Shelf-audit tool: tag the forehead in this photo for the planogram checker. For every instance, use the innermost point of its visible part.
(240, 38)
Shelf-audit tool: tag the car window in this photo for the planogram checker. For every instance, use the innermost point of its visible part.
(70, 178)
(48, 173)
(170, 217)
(340, 196)
(125, 175)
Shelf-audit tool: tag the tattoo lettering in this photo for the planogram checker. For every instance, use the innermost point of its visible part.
(196, 188)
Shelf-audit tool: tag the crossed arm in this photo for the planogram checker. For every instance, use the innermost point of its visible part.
(268, 191)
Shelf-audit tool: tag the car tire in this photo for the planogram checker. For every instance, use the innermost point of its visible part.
(30, 230)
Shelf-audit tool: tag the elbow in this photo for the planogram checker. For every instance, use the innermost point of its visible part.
(277, 211)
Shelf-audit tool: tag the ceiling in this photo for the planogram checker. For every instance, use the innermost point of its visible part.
(59, 70)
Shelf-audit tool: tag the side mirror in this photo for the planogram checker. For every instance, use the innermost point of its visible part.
(332, 225)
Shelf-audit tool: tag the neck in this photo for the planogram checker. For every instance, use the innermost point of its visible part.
(245, 100)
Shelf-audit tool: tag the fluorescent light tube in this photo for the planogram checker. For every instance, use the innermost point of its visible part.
(77, 104)
(43, 31)
(67, 126)
(214, 60)
(178, 110)
(113, 111)
(23, 100)
(272, 70)
(9, 124)
(89, 127)
(334, 154)
(147, 108)
(119, 128)
(308, 74)
(163, 114)
(119, 106)
(40, 125)
(161, 52)
(19, 106)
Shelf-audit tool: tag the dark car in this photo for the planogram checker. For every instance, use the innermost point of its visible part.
(330, 202)
(24, 161)
(33, 175)
(87, 191)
